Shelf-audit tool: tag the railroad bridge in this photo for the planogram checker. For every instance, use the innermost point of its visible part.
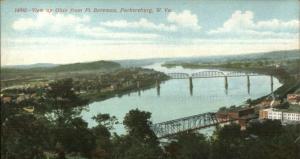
(191, 123)
(216, 74)
(209, 74)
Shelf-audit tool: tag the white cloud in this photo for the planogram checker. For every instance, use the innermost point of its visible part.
(80, 25)
(278, 25)
(243, 24)
(142, 23)
(184, 19)
(175, 21)
(237, 22)
(77, 25)
(100, 32)
(46, 20)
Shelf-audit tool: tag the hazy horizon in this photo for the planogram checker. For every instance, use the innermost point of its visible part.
(195, 56)
(162, 29)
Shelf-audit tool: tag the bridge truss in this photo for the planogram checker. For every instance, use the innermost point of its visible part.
(195, 122)
(178, 75)
(209, 74)
(238, 74)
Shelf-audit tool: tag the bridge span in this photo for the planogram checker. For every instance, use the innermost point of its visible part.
(209, 74)
(217, 74)
(191, 123)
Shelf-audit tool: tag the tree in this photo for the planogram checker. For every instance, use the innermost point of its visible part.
(69, 130)
(140, 142)
(138, 124)
(272, 141)
(76, 137)
(226, 142)
(25, 136)
(102, 135)
(105, 120)
(189, 145)
(63, 100)
(268, 128)
(248, 101)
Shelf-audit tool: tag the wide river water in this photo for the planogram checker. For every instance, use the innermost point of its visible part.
(175, 99)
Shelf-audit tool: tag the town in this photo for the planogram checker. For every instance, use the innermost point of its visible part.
(91, 86)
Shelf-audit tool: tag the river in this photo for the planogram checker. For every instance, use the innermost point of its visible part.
(175, 100)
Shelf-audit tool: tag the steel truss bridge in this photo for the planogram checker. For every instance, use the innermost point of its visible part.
(209, 74)
(191, 123)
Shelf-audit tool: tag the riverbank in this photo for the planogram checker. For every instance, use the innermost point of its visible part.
(95, 86)
(101, 96)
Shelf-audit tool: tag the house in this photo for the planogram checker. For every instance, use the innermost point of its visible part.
(239, 113)
(242, 115)
(293, 99)
(115, 86)
(6, 100)
(222, 116)
(263, 114)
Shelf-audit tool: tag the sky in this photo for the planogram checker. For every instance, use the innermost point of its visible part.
(56, 31)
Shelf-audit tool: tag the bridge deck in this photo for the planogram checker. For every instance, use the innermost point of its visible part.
(210, 74)
(213, 76)
(191, 123)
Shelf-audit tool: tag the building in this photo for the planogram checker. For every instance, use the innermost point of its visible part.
(242, 115)
(239, 113)
(269, 103)
(6, 99)
(270, 114)
(293, 99)
(263, 114)
(280, 114)
(290, 116)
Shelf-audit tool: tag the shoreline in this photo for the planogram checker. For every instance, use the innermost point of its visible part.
(98, 96)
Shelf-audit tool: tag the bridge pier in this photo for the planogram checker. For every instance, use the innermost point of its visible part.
(248, 80)
(191, 82)
(157, 83)
(226, 84)
(248, 84)
(191, 91)
(272, 83)
(158, 87)
(138, 85)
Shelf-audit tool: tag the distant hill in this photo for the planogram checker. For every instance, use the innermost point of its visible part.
(97, 65)
(141, 62)
(86, 66)
(37, 65)
(274, 55)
